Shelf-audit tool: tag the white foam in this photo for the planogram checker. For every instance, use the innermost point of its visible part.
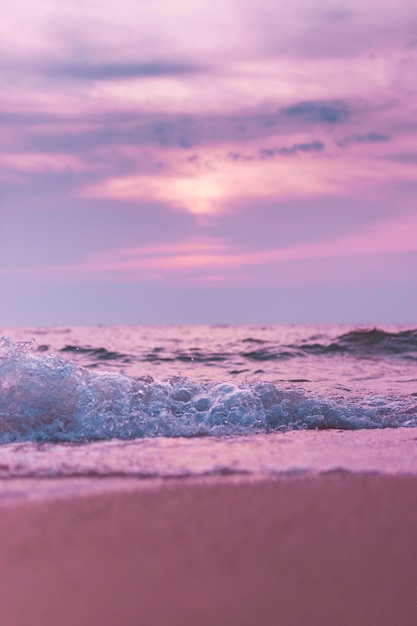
(48, 398)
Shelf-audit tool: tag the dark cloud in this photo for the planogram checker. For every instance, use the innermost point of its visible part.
(194, 158)
(177, 130)
(239, 156)
(368, 138)
(28, 118)
(319, 112)
(11, 117)
(330, 32)
(313, 146)
(162, 130)
(270, 153)
(121, 71)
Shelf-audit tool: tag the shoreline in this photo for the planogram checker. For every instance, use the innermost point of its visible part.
(390, 451)
(334, 545)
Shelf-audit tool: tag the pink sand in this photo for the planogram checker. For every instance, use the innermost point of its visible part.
(335, 548)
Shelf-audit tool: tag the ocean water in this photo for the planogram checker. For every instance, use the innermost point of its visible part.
(94, 392)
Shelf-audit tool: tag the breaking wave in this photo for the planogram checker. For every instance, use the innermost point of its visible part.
(45, 397)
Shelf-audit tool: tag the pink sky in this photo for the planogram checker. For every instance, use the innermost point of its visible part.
(244, 161)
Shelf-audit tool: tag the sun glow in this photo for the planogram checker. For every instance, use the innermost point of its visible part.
(211, 187)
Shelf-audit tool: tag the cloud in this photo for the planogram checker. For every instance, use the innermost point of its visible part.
(312, 146)
(177, 130)
(121, 71)
(319, 112)
(43, 224)
(307, 29)
(392, 236)
(256, 223)
(270, 153)
(371, 137)
(28, 118)
(198, 258)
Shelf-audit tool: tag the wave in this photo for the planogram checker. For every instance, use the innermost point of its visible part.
(96, 354)
(360, 343)
(363, 343)
(48, 398)
(375, 342)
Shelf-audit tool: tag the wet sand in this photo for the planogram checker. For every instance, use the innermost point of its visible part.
(313, 549)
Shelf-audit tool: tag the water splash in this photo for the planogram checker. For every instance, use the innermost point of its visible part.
(45, 397)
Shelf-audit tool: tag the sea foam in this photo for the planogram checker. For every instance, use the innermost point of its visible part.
(45, 397)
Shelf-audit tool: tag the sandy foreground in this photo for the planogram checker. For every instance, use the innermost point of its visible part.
(323, 547)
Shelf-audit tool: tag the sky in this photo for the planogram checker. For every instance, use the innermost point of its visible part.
(187, 161)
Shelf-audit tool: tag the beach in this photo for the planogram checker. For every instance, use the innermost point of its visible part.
(329, 544)
(208, 335)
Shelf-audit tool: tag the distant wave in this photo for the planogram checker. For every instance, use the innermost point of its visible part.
(100, 354)
(360, 343)
(363, 343)
(45, 397)
(375, 342)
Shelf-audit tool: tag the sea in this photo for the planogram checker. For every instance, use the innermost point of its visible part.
(123, 401)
